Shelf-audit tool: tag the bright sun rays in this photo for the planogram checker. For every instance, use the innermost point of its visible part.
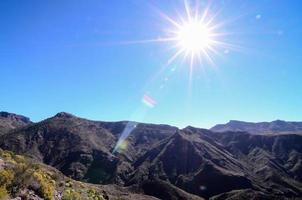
(195, 36)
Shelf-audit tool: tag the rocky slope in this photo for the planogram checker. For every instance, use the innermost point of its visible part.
(24, 178)
(9, 121)
(164, 161)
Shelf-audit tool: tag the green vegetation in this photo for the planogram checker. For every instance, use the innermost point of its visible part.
(20, 174)
(94, 195)
(16, 173)
(47, 185)
(70, 194)
(6, 177)
(3, 193)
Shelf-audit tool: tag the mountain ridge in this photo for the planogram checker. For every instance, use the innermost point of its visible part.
(273, 127)
(198, 161)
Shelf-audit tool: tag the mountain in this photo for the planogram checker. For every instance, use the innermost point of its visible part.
(163, 161)
(9, 121)
(274, 127)
(24, 178)
(78, 147)
(273, 163)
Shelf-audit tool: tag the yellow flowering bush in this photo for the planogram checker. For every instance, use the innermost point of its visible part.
(47, 185)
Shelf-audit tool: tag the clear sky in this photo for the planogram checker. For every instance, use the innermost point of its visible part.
(75, 56)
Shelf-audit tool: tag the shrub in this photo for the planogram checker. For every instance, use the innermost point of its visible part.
(47, 185)
(71, 195)
(23, 174)
(7, 154)
(94, 195)
(3, 193)
(8, 157)
(6, 177)
(19, 159)
(68, 184)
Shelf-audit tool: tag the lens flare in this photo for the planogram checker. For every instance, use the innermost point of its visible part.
(195, 37)
(122, 147)
(148, 101)
(122, 143)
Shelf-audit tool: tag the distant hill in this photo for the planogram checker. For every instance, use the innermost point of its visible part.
(274, 127)
(166, 162)
(9, 121)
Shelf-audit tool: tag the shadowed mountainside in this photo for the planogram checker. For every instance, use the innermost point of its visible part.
(22, 178)
(164, 161)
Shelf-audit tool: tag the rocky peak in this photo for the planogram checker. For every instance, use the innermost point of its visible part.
(279, 122)
(14, 117)
(236, 122)
(64, 115)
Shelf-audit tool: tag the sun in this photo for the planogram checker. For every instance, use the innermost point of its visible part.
(194, 37)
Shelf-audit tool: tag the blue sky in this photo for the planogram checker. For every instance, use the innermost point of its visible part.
(66, 55)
